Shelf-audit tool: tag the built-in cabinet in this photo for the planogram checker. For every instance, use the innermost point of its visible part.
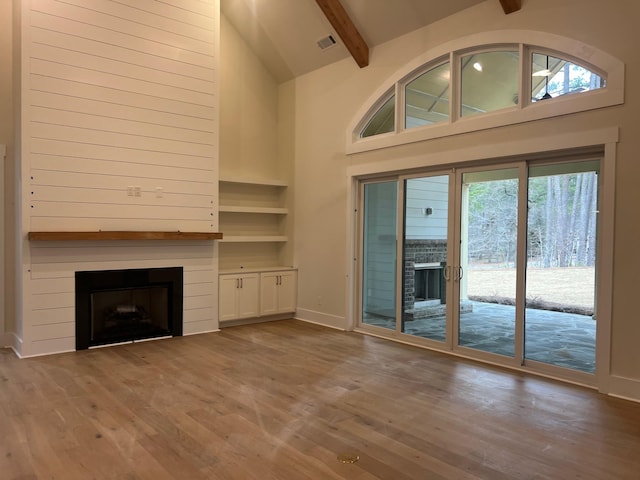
(256, 294)
(238, 296)
(256, 278)
(277, 292)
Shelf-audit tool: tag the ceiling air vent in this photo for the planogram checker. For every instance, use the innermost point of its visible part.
(326, 42)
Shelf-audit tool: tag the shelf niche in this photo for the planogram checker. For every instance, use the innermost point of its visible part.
(253, 215)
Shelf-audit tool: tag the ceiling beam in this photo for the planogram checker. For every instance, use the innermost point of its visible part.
(344, 27)
(510, 6)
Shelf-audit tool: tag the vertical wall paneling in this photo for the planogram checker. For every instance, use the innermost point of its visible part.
(121, 133)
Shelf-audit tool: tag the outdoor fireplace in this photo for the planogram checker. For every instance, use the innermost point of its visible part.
(114, 306)
(429, 282)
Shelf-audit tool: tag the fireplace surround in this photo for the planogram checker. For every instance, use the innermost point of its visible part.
(115, 306)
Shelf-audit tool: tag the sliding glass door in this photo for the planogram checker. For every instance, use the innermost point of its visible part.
(497, 263)
(488, 260)
(560, 322)
(425, 250)
(379, 233)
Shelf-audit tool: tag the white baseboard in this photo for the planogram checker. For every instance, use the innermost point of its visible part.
(10, 340)
(622, 387)
(319, 318)
(200, 333)
(254, 320)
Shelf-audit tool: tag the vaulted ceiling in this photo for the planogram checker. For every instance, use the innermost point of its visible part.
(285, 33)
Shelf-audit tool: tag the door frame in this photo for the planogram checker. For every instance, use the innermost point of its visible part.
(451, 306)
(521, 248)
(604, 141)
(357, 250)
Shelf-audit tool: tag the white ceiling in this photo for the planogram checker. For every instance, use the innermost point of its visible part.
(284, 33)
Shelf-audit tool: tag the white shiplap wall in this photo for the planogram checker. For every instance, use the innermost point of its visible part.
(118, 96)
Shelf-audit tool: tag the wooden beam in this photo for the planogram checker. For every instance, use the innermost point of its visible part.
(510, 6)
(341, 22)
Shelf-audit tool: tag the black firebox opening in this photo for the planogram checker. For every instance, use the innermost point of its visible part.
(115, 306)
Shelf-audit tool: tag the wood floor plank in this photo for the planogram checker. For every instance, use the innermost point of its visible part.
(282, 400)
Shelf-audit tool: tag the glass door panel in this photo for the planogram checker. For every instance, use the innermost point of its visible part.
(488, 261)
(379, 254)
(516, 241)
(425, 246)
(560, 324)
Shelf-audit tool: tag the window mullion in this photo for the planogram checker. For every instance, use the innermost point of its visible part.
(525, 77)
(400, 107)
(521, 262)
(454, 82)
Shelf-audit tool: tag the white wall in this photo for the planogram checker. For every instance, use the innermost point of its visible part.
(116, 97)
(248, 111)
(249, 142)
(327, 100)
(6, 139)
(6, 104)
(3, 340)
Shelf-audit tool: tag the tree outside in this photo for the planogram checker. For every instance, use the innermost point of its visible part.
(561, 240)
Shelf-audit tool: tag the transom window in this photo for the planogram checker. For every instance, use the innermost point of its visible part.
(552, 77)
(427, 97)
(455, 92)
(489, 81)
(384, 119)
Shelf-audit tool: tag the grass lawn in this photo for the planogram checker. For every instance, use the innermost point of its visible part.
(573, 286)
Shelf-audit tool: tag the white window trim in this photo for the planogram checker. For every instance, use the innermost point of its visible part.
(525, 111)
(608, 138)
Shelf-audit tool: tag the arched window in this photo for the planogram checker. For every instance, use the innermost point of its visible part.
(427, 97)
(489, 81)
(454, 90)
(383, 120)
(552, 77)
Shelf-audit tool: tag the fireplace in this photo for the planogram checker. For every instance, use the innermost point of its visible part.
(429, 283)
(115, 306)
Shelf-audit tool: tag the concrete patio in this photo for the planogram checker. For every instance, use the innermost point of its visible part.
(562, 339)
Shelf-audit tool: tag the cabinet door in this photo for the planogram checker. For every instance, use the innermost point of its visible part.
(278, 292)
(228, 297)
(248, 298)
(269, 293)
(287, 287)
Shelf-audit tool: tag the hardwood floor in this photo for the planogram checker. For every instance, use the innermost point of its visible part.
(283, 400)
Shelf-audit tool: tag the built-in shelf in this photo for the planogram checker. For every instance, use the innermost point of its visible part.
(255, 181)
(123, 235)
(253, 215)
(243, 209)
(254, 238)
(241, 269)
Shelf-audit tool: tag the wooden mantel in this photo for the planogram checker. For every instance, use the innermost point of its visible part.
(123, 235)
